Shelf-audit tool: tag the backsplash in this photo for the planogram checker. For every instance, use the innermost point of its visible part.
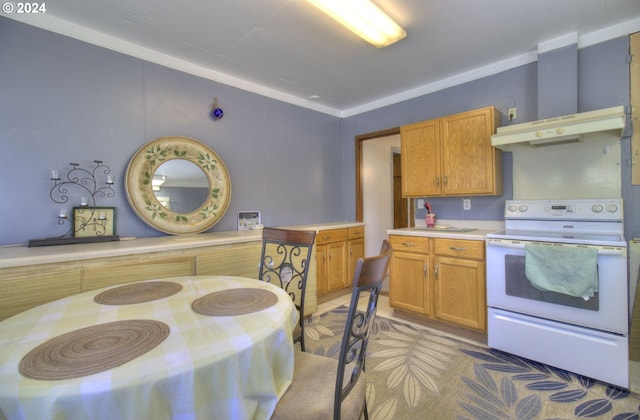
(569, 171)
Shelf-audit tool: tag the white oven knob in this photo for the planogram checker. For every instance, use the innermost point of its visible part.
(612, 208)
(512, 208)
(597, 208)
(522, 208)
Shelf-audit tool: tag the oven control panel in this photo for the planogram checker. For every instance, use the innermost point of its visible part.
(588, 209)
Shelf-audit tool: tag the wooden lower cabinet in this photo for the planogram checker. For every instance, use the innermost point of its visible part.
(410, 287)
(336, 265)
(414, 294)
(355, 246)
(120, 270)
(460, 292)
(331, 260)
(22, 288)
(337, 251)
(230, 260)
(25, 287)
(321, 270)
(441, 278)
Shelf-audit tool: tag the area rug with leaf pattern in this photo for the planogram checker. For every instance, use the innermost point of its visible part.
(419, 373)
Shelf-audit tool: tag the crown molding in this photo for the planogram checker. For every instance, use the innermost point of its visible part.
(83, 33)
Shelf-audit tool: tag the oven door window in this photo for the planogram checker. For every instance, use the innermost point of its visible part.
(516, 284)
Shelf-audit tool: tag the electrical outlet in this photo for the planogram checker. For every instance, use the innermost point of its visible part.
(420, 203)
(466, 204)
(511, 114)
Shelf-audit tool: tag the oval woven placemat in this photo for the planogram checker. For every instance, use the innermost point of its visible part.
(93, 349)
(138, 293)
(232, 302)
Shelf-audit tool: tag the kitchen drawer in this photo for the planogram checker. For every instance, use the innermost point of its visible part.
(355, 232)
(459, 248)
(409, 243)
(331, 235)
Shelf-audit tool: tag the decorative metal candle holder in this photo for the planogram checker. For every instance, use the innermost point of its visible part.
(88, 223)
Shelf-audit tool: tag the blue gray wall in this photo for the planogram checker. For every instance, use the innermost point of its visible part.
(603, 81)
(62, 100)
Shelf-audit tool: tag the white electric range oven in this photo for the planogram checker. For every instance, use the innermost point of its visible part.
(587, 335)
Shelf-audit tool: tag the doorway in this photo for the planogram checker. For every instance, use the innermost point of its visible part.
(400, 205)
(379, 202)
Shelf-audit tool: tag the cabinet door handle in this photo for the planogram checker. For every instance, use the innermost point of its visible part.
(424, 270)
(407, 244)
(436, 270)
(326, 237)
(437, 181)
(457, 248)
(329, 255)
(445, 180)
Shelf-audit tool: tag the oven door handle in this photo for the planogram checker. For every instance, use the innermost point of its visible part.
(602, 250)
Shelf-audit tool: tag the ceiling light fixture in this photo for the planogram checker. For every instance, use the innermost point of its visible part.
(363, 18)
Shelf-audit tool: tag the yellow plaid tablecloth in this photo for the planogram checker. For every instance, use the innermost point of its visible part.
(209, 367)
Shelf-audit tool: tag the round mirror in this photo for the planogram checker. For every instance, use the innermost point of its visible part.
(178, 185)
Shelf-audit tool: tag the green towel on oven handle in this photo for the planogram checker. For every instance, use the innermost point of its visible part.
(569, 270)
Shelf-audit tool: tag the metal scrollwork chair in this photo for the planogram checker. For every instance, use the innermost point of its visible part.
(310, 395)
(284, 262)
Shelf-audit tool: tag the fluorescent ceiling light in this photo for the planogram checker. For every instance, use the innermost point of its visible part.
(363, 18)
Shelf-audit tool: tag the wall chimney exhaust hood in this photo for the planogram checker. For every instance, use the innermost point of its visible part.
(560, 130)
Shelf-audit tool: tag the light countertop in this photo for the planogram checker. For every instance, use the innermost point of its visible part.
(480, 229)
(328, 226)
(22, 255)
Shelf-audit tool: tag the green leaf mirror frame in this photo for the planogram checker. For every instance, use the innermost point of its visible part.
(144, 202)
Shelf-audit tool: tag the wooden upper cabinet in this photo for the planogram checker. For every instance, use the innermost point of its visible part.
(452, 156)
(420, 158)
(471, 166)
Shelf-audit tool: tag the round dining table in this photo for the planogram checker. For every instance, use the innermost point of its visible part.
(199, 347)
